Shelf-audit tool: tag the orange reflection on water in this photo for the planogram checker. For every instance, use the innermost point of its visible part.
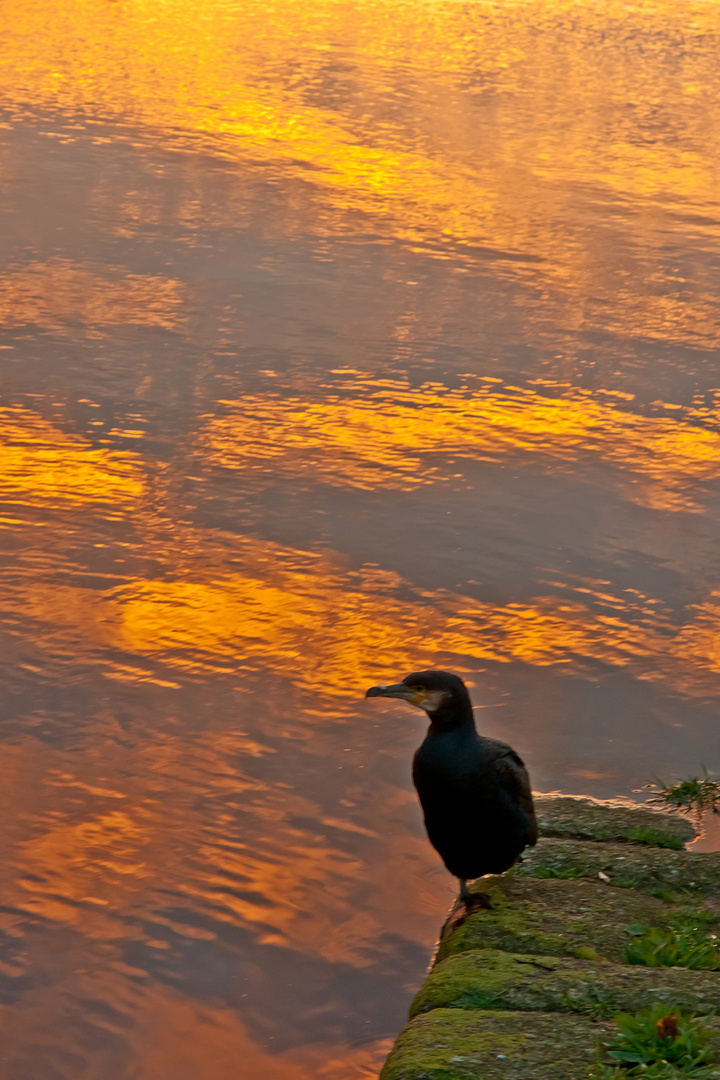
(88, 863)
(220, 71)
(168, 1033)
(188, 1042)
(701, 637)
(377, 438)
(297, 613)
(40, 464)
(299, 617)
(59, 294)
(326, 633)
(79, 865)
(442, 122)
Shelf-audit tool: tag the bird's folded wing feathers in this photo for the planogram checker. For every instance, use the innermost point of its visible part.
(513, 776)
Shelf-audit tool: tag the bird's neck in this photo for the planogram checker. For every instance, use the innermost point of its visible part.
(443, 724)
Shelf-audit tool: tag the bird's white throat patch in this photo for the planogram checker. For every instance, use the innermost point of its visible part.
(432, 700)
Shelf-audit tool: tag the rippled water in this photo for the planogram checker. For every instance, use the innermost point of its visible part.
(340, 339)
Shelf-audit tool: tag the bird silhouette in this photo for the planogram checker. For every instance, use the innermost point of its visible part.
(474, 792)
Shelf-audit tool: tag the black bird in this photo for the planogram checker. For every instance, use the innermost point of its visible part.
(475, 792)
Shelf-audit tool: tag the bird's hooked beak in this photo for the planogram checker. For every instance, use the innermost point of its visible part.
(416, 695)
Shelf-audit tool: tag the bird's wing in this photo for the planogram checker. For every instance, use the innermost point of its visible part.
(513, 776)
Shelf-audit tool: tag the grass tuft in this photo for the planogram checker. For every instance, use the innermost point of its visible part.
(654, 838)
(696, 796)
(686, 942)
(659, 1044)
(565, 872)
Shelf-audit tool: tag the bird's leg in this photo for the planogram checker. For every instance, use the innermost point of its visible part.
(466, 904)
(473, 901)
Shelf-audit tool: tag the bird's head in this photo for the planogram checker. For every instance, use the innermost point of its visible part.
(441, 694)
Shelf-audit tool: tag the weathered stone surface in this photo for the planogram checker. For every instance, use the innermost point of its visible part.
(457, 1044)
(582, 818)
(583, 919)
(492, 979)
(450, 1044)
(626, 865)
(526, 989)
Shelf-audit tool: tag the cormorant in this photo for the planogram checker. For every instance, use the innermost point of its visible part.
(475, 792)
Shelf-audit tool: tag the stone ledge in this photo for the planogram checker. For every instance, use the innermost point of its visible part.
(550, 917)
(449, 1044)
(452, 1044)
(582, 818)
(626, 865)
(493, 979)
(524, 990)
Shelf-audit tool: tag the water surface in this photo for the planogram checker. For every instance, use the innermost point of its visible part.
(339, 339)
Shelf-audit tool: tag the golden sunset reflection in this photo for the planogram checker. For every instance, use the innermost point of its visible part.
(95, 870)
(57, 295)
(297, 613)
(378, 438)
(321, 630)
(175, 1036)
(206, 1044)
(79, 866)
(41, 465)
(298, 617)
(258, 83)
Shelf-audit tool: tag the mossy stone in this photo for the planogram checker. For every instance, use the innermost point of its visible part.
(449, 1044)
(527, 988)
(584, 919)
(625, 865)
(456, 1044)
(581, 818)
(491, 979)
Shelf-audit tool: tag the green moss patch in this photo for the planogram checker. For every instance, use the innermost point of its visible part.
(448, 1044)
(491, 979)
(626, 866)
(555, 917)
(581, 818)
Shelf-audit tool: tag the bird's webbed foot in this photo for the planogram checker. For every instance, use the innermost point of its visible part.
(473, 901)
(467, 903)
(477, 901)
